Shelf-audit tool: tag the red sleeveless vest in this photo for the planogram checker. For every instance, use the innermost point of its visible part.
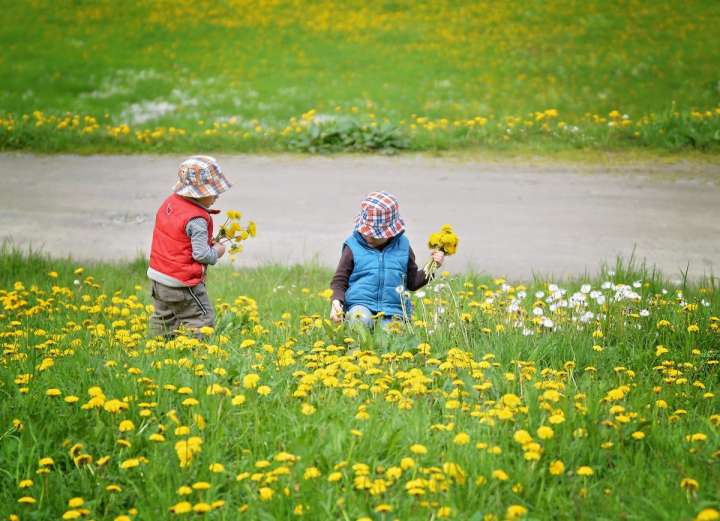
(171, 251)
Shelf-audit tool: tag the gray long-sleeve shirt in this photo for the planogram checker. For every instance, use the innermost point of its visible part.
(202, 252)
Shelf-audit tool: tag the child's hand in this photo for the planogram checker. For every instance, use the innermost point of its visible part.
(336, 311)
(219, 248)
(438, 257)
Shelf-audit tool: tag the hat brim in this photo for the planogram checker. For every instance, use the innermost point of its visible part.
(206, 190)
(379, 232)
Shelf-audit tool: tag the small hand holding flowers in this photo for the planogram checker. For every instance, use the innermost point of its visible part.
(441, 243)
(233, 234)
(336, 311)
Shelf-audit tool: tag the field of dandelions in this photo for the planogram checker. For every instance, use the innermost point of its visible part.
(585, 399)
(385, 76)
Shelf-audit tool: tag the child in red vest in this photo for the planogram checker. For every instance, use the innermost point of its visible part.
(182, 248)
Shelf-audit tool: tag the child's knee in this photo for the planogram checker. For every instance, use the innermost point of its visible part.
(360, 315)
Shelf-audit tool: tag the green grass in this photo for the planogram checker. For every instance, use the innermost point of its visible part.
(238, 75)
(484, 372)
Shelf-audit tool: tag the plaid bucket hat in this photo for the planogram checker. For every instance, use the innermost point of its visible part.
(379, 216)
(200, 176)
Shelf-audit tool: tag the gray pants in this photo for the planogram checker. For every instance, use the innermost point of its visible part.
(175, 307)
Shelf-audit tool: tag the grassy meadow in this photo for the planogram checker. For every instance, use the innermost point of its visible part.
(583, 399)
(259, 75)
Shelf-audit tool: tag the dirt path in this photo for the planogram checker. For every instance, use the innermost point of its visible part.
(513, 219)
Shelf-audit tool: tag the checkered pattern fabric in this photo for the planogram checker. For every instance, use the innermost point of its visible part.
(379, 216)
(200, 176)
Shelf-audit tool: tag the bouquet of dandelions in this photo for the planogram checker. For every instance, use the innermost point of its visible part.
(445, 241)
(232, 233)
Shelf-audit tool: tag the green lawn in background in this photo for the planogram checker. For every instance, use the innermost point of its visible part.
(385, 75)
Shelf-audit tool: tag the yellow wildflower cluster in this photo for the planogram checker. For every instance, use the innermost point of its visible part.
(232, 233)
(445, 240)
(422, 131)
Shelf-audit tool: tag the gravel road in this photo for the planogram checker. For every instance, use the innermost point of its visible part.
(514, 218)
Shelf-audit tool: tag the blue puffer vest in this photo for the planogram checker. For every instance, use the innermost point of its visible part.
(377, 274)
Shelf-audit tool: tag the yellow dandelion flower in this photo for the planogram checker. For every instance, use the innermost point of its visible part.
(181, 508)
(511, 400)
(250, 380)
(114, 406)
(500, 475)
(184, 490)
(462, 438)
(522, 437)
(407, 463)
(182, 430)
(556, 419)
(708, 514)
(556, 468)
(515, 512)
(689, 484)
(311, 473)
(130, 463)
(545, 433)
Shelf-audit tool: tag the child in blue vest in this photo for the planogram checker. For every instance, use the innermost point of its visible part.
(377, 266)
